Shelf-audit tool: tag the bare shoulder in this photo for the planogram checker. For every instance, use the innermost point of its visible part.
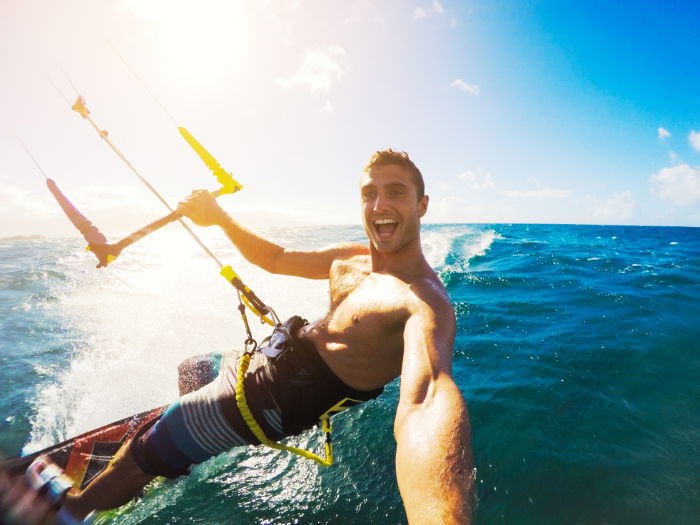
(428, 340)
(430, 299)
(350, 259)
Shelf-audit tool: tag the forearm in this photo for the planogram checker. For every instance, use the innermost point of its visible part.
(202, 209)
(254, 248)
(434, 465)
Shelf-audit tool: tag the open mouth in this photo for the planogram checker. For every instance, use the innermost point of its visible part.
(385, 228)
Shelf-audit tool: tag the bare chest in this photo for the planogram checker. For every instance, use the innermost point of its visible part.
(365, 301)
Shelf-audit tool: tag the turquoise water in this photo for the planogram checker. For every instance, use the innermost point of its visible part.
(578, 350)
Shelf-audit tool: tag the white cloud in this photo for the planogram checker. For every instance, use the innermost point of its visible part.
(303, 215)
(453, 22)
(539, 194)
(460, 84)
(477, 179)
(663, 133)
(419, 13)
(319, 70)
(15, 201)
(619, 206)
(437, 7)
(678, 184)
(694, 140)
(454, 209)
(445, 208)
(110, 208)
(115, 198)
(673, 156)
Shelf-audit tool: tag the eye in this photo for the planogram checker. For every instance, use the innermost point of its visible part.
(368, 195)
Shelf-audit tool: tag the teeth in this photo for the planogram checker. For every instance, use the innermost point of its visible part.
(385, 221)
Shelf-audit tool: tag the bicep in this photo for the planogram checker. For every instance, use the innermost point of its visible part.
(314, 264)
(427, 364)
(428, 341)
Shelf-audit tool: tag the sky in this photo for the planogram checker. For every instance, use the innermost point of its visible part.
(515, 112)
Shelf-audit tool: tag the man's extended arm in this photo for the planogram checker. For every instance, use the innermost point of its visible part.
(434, 465)
(202, 209)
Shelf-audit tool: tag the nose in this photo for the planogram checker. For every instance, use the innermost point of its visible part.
(380, 202)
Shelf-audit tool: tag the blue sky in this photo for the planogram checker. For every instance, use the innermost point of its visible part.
(547, 112)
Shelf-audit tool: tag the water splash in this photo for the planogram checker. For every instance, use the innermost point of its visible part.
(481, 245)
(438, 242)
(464, 247)
(135, 321)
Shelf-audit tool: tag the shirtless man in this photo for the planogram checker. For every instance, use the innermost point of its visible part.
(389, 316)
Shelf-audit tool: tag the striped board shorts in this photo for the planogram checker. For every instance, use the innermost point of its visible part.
(286, 395)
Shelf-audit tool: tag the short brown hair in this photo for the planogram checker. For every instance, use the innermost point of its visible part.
(389, 157)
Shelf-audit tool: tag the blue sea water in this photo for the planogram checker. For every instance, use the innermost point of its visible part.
(577, 349)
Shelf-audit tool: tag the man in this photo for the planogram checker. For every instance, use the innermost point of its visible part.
(389, 316)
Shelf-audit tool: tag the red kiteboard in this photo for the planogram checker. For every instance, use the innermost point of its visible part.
(85, 456)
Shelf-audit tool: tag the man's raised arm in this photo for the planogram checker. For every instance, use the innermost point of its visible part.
(434, 465)
(203, 210)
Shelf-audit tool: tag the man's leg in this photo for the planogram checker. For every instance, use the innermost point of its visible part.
(119, 483)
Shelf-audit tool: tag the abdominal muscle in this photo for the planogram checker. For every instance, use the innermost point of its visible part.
(361, 341)
(361, 337)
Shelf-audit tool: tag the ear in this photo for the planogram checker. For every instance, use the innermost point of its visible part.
(423, 205)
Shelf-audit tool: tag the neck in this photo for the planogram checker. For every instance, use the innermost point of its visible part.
(403, 263)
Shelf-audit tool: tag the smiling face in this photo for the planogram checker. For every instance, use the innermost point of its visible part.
(391, 209)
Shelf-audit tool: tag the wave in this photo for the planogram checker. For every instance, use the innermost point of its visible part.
(438, 244)
(481, 245)
(451, 248)
(454, 250)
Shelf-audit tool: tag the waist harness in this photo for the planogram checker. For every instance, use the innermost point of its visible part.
(311, 388)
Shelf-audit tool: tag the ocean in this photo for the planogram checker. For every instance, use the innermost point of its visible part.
(577, 349)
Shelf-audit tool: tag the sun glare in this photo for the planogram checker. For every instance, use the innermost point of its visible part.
(202, 38)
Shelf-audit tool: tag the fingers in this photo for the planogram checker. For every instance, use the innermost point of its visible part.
(33, 498)
(201, 208)
(22, 505)
(47, 479)
(189, 204)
